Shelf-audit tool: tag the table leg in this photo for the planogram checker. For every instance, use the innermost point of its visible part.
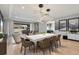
(35, 48)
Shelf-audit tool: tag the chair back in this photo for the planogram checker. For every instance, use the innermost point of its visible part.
(44, 43)
(53, 39)
(25, 43)
(58, 37)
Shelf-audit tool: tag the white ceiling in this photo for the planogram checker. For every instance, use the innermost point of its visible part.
(31, 12)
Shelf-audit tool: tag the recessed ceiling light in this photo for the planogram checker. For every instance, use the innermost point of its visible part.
(22, 7)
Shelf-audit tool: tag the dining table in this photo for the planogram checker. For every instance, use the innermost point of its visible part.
(39, 37)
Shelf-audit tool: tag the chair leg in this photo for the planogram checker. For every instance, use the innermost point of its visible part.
(34, 49)
(29, 47)
(53, 45)
(60, 43)
(57, 45)
(24, 51)
(21, 49)
(49, 50)
(43, 52)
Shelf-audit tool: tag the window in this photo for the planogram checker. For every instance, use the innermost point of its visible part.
(73, 24)
(1, 23)
(63, 25)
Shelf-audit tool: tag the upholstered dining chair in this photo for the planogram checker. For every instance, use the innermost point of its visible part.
(54, 43)
(44, 45)
(58, 39)
(26, 43)
(59, 36)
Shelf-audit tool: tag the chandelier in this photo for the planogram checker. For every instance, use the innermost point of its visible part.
(44, 15)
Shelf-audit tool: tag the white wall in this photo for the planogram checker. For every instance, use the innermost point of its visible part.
(53, 26)
(5, 10)
(42, 27)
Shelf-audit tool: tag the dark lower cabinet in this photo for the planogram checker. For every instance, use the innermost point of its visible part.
(49, 31)
(3, 46)
(65, 37)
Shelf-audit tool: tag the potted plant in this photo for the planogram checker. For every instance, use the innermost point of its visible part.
(73, 31)
(1, 36)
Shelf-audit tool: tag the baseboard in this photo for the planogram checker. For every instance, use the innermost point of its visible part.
(72, 40)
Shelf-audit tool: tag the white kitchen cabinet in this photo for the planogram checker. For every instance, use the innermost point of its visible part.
(73, 36)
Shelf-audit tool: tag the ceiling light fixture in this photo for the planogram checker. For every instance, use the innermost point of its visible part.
(41, 5)
(45, 15)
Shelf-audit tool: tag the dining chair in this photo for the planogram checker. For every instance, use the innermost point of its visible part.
(44, 45)
(54, 43)
(58, 40)
(26, 43)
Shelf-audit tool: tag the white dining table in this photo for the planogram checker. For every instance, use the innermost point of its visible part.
(38, 37)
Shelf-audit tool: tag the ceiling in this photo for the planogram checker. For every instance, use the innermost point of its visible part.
(31, 12)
